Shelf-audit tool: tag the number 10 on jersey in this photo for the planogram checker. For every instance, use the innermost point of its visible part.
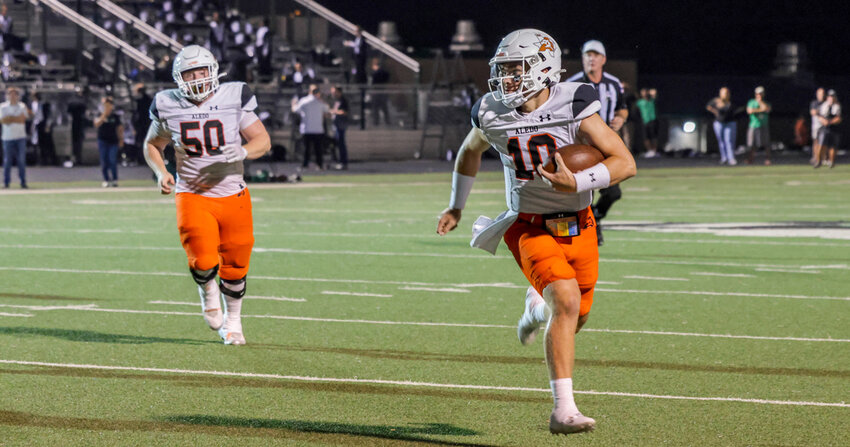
(526, 159)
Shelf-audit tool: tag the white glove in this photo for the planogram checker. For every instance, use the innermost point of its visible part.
(233, 153)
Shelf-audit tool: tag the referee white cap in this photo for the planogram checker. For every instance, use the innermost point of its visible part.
(593, 45)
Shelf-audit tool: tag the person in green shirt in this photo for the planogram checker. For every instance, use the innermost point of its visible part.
(646, 105)
(758, 132)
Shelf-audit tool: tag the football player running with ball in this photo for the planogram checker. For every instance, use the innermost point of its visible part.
(206, 122)
(548, 226)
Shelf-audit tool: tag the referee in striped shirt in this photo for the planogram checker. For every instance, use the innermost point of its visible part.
(613, 112)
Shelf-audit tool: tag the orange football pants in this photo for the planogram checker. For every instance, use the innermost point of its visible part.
(545, 259)
(217, 231)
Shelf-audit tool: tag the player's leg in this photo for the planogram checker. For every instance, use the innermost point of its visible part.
(564, 296)
(199, 236)
(545, 264)
(237, 240)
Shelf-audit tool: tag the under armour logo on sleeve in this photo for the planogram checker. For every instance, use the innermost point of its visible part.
(592, 176)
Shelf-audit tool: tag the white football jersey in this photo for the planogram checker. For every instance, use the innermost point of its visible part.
(197, 133)
(525, 141)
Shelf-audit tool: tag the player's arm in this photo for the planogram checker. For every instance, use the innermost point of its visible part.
(466, 167)
(257, 140)
(155, 143)
(617, 166)
(252, 129)
(618, 158)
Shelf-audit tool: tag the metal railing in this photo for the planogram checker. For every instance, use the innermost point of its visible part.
(140, 25)
(97, 31)
(379, 44)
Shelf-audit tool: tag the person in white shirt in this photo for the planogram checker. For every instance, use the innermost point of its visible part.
(13, 115)
(312, 128)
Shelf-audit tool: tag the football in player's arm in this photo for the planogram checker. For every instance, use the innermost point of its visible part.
(593, 130)
(206, 123)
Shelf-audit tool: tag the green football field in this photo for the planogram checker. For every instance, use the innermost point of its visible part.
(722, 317)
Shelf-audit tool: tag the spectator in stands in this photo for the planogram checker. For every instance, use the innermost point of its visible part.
(13, 116)
(358, 52)
(77, 109)
(830, 118)
(141, 121)
(312, 110)
(42, 130)
(725, 125)
(216, 36)
(814, 111)
(11, 42)
(300, 78)
(758, 132)
(649, 121)
(110, 138)
(340, 121)
(263, 50)
(380, 103)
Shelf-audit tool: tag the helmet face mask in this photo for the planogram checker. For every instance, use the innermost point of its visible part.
(191, 58)
(526, 62)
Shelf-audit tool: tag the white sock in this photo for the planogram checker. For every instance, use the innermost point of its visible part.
(234, 307)
(212, 296)
(234, 314)
(539, 311)
(562, 392)
(538, 305)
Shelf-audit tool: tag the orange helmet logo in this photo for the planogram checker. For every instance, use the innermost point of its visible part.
(546, 44)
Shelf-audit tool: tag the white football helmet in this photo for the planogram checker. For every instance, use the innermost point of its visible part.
(189, 58)
(540, 57)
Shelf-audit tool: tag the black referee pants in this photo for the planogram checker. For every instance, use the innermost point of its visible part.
(607, 197)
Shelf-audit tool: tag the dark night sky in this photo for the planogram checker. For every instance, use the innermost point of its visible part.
(709, 37)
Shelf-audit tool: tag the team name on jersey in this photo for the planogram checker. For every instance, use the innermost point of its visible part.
(525, 130)
(201, 116)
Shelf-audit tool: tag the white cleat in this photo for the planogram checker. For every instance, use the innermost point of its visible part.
(528, 326)
(231, 338)
(577, 423)
(211, 306)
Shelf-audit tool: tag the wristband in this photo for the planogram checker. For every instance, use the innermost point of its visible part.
(461, 186)
(594, 177)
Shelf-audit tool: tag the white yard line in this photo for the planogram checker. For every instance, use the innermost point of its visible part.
(93, 308)
(694, 334)
(424, 284)
(718, 241)
(275, 298)
(655, 278)
(5, 314)
(809, 272)
(175, 303)
(436, 289)
(724, 275)
(335, 292)
(408, 383)
(712, 293)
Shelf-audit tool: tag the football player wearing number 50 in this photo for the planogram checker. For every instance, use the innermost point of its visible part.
(548, 226)
(206, 122)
